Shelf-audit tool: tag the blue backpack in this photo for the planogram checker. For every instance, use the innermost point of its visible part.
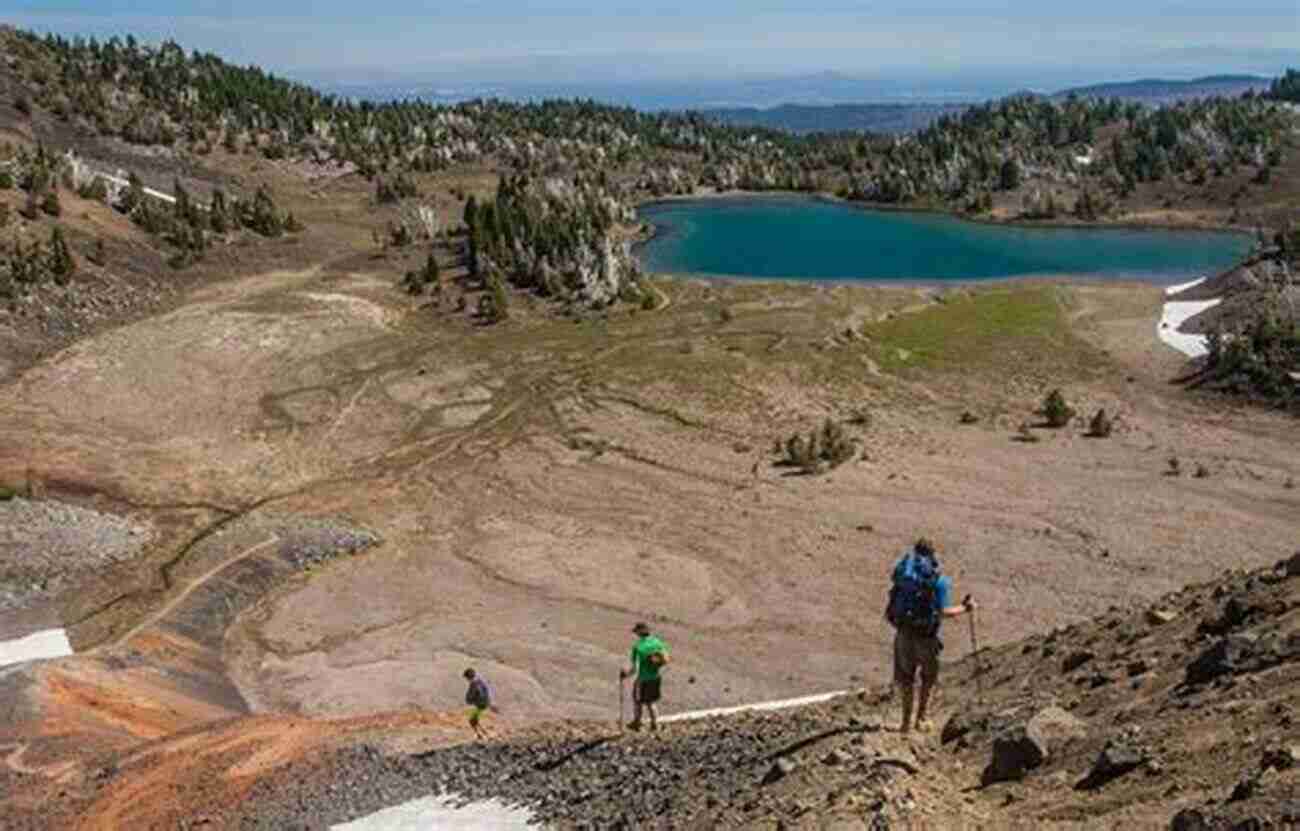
(912, 597)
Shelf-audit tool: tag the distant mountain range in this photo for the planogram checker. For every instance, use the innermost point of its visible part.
(809, 118)
(906, 117)
(822, 102)
(1164, 91)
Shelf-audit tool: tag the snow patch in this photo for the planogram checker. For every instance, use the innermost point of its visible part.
(1184, 286)
(443, 813)
(764, 706)
(50, 643)
(1193, 346)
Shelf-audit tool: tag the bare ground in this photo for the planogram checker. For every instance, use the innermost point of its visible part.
(540, 485)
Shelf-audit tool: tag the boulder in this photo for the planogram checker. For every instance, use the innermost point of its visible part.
(956, 727)
(1117, 758)
(1235, 613)
(1016, 751)
(1076, 659)
(1281, 757)
(1244, 789)
(1139, 667)
(967, 721)
(1058, 727)
(1226, 656)
(780, 769)
(1021, 748)
(1292, 566)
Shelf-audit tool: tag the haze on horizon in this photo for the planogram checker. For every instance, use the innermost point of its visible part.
(1015, 43)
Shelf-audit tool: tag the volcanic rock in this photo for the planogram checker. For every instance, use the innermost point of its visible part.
(1225, 656)
(1117, 758)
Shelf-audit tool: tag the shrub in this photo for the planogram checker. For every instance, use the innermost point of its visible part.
(1055, 410)
(820, 451)
(93, 188)
(494, 304)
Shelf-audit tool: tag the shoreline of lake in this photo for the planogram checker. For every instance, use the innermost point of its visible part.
(975, 219)
(654, 231)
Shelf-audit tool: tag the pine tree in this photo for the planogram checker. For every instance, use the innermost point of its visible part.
(470, 217)
(1009, 176)
(218, 213)
(134, 196)
(59, 260)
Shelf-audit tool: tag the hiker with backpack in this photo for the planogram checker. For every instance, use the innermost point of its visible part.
(649, 657)
(479, 700)
(918, 603)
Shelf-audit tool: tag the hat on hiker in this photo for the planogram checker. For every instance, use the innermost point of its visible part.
(469, 673)
(641, 628)
(924, 547)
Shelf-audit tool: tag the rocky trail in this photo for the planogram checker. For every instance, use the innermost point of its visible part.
(1180, 714)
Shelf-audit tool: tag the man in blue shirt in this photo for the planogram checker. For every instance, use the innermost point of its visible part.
(917, 645)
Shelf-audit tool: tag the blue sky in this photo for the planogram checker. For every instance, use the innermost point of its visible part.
(653, 39)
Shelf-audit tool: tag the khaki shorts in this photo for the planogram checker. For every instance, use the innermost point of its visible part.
(914, 652)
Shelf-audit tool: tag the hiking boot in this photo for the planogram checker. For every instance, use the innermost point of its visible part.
(634, 726)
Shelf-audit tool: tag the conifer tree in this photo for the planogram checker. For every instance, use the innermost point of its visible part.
(59, 260)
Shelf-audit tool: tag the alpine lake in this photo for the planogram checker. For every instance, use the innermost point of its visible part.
(806, 238)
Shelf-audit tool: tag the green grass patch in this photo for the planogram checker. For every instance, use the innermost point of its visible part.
(7, 493)
(1005, 326)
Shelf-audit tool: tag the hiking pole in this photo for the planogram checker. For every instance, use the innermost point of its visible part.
(622, 689)
(974, 645)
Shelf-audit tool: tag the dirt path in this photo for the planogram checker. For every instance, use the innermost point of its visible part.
(197, 582)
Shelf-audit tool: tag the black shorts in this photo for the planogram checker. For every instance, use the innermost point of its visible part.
(646, 692)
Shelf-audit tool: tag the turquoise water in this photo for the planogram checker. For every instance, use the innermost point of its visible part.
(801, 238)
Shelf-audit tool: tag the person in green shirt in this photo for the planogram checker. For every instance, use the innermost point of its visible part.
(649, 656)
